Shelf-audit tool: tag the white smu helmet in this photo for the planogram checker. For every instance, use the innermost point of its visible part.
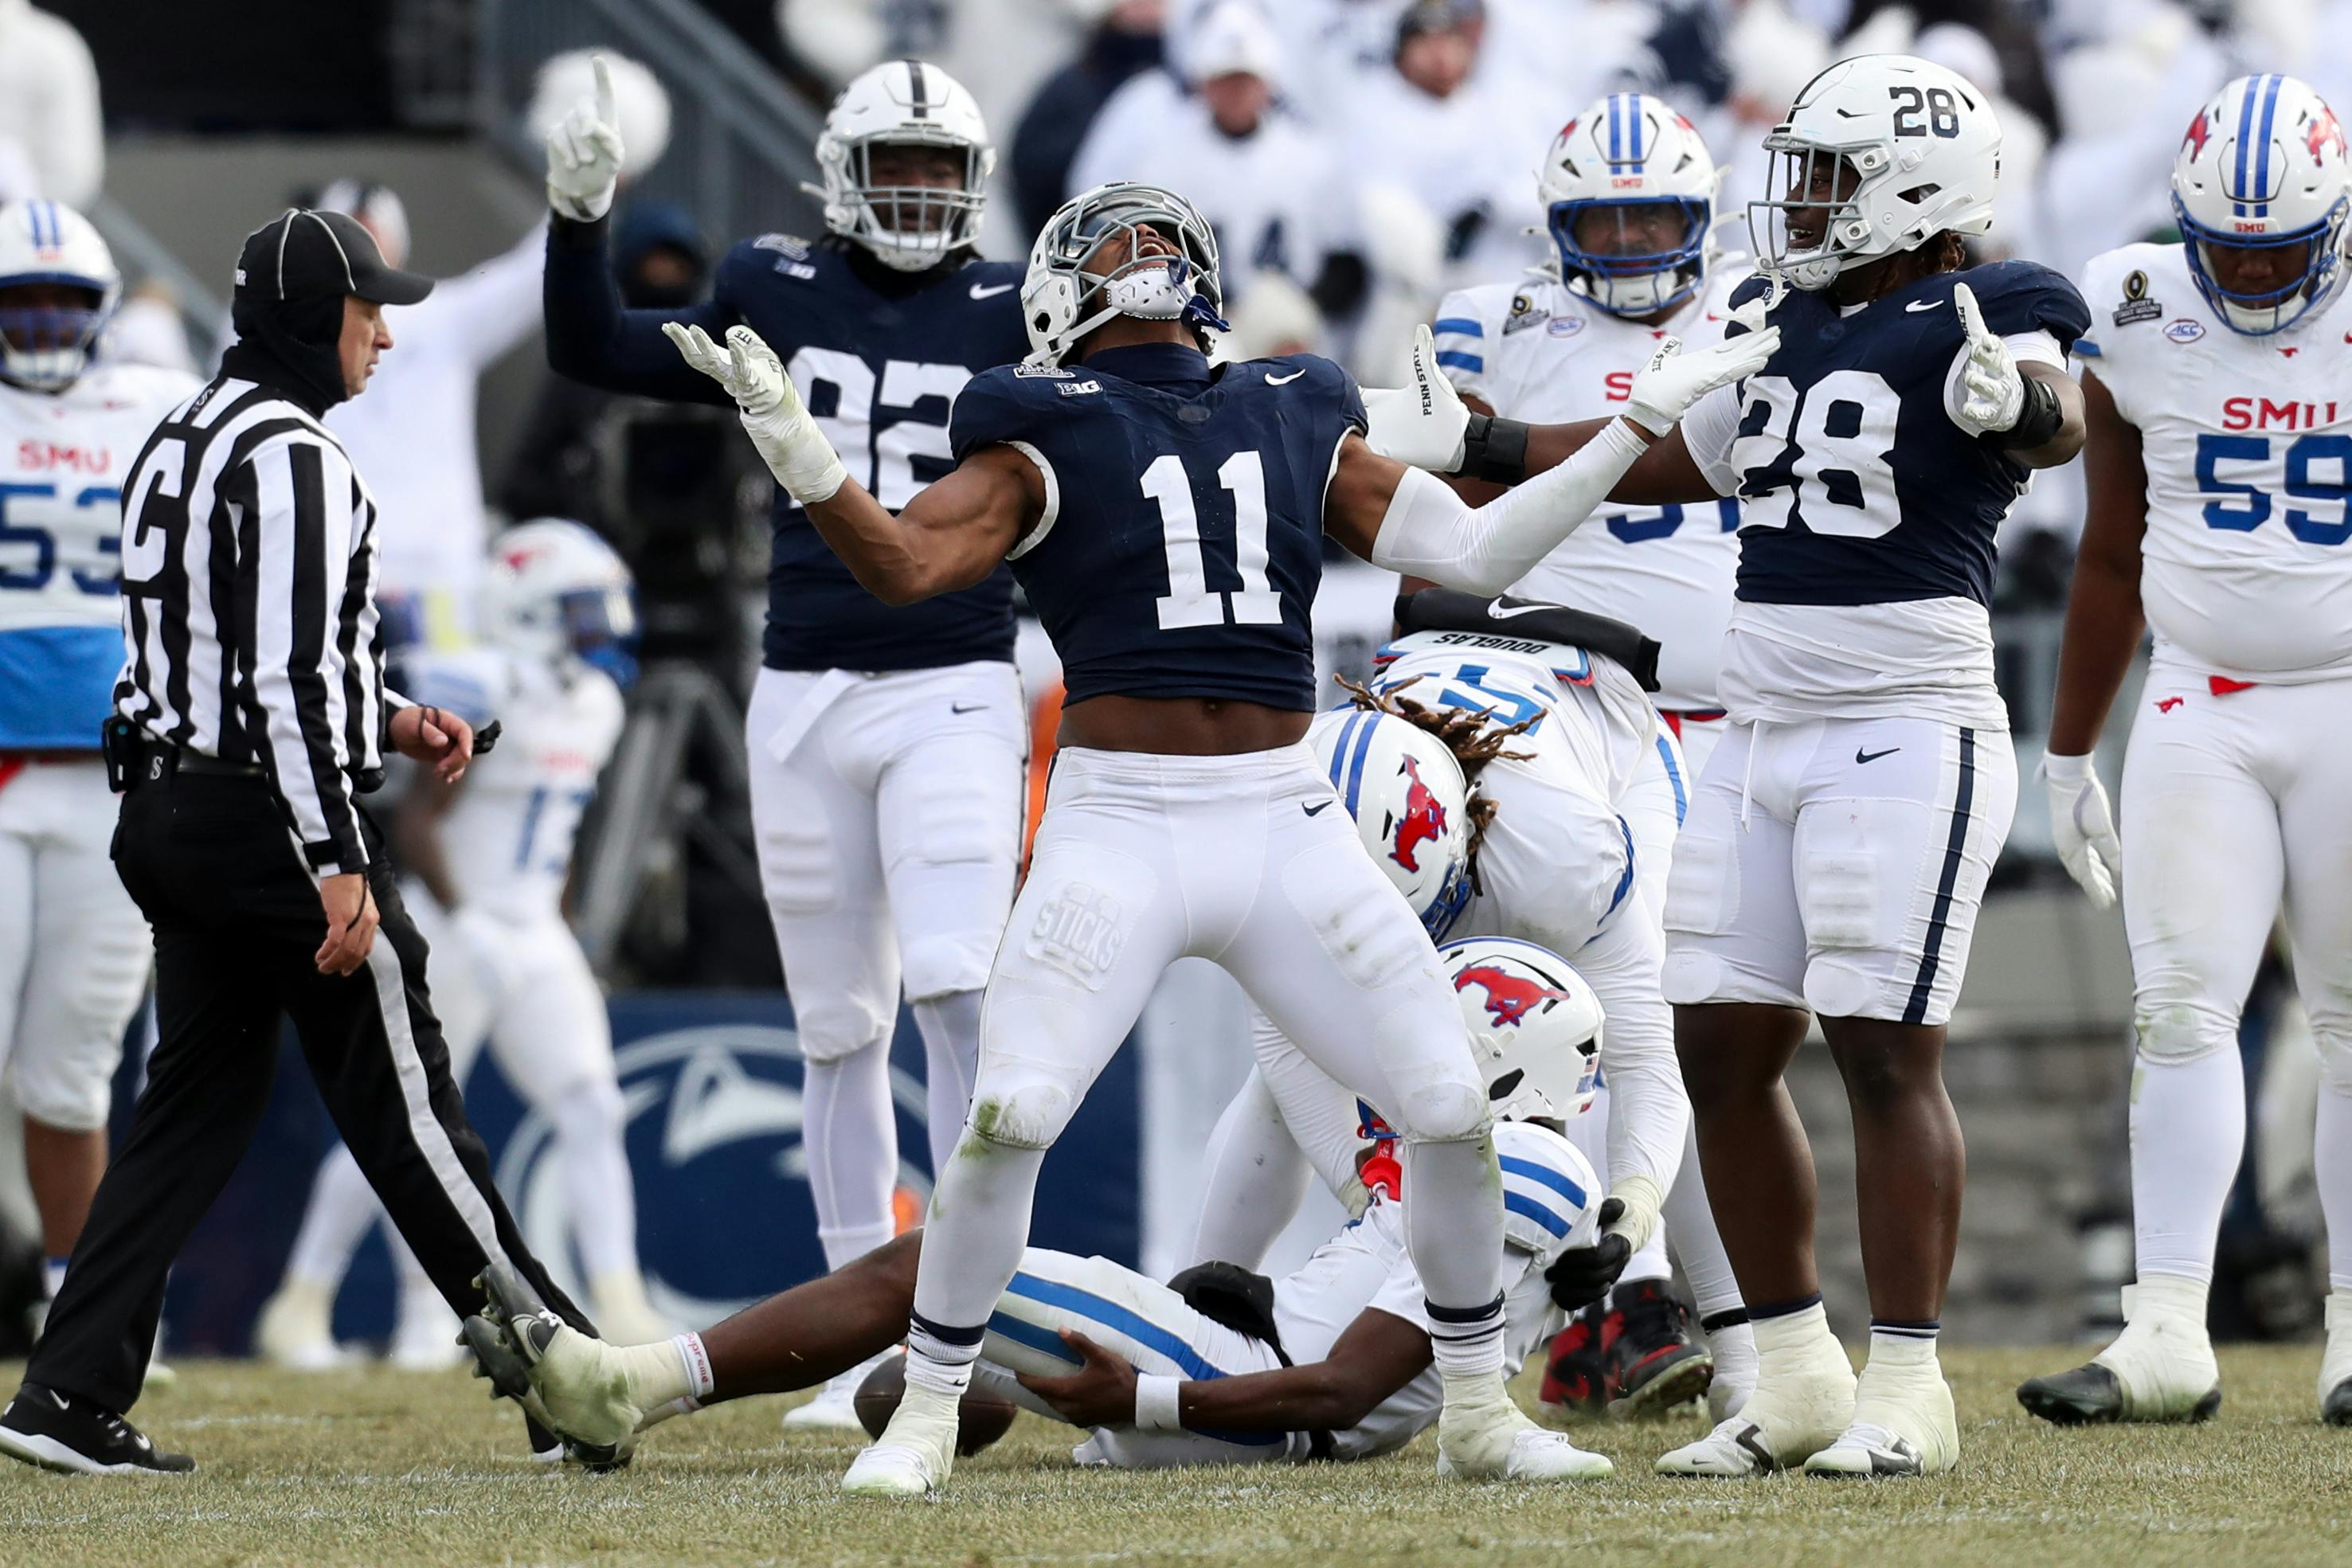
(1535, 1026)
(1410, 805)
(555, 590)
(1920, 144)
(47, 346)
(2263, 167)
(902, 103)
(1629, 150)
(1552, 1198)
(1061, 302)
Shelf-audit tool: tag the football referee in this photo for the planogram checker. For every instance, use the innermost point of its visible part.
(250, 716)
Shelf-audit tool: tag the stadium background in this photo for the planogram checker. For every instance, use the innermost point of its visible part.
(208, 127)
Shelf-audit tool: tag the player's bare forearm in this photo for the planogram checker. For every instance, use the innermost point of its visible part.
(2072, 427)
(950, 536)
(1377, 1355)
(2105, 618)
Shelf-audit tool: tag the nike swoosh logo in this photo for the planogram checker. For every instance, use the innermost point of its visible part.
(1917, 305)
(1501, 611)
(958, 707)
(62, 1402)
(1274, 381)
(1862, 756)
(990, 291)
(1311, 810)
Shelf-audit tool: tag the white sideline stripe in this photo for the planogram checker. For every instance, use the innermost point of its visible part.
(425, 1129)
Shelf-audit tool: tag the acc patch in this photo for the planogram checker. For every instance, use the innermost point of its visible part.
(1525, 312)
(2181, 330)
(790, 246)
(1565, 325)
(2136, 305)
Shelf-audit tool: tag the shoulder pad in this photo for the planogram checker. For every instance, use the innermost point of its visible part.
(1004, 403)
(1313, 375)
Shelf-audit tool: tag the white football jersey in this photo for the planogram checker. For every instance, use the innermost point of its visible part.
(1538, 350)
(63, 457)
(2246, 568)
(1368, 1265)
(507, 838)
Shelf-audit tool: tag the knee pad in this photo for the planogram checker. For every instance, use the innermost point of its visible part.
(935, 966)
(1023, 1105)
(1440, 1096)
(832, 1027)
(2168, 1033)
(591, 1106)
(797, 870)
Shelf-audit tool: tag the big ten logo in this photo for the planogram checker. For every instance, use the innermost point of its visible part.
(713, 1129)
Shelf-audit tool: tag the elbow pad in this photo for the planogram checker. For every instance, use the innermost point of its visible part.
(1428, 531)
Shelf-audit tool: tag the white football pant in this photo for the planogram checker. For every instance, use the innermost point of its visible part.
(2232, 804)
(889, 809)
(74, 949)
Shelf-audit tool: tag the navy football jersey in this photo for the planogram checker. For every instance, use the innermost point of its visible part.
(1856, 486)
(1182, 544)
(879, 356)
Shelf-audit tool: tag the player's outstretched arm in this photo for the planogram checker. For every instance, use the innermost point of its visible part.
(1403, 518)
(2105, 621)
(950, 536)
(1377, 1354)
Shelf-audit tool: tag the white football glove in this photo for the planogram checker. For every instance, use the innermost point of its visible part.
(1674, 379)
(2083, 827)
(1421, 422)
(1984, 391)
(584, 154)
(779, 423)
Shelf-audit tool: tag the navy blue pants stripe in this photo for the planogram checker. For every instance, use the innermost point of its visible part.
(1955, 852)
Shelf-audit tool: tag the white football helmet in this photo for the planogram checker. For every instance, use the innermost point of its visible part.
(554, 590)
(1884, 152)
(46, 347)
(1534, 1023)
(1410, 805)
(901, 103)
(1629, 150)
(1061, 301)
(1550, 1196)
(2263, 168)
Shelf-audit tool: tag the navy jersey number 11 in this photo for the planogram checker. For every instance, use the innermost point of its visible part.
(1180, 546)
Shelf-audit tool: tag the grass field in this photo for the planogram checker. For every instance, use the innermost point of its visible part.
(371, 1468)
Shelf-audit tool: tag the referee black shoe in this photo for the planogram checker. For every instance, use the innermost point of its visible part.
(73, 1437)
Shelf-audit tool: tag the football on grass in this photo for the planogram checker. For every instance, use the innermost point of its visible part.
(984, 1418)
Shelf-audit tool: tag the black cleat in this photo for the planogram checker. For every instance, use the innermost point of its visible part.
(69, 1435)
(2091, 1393)
(2336, 1410)
(1654, 1366)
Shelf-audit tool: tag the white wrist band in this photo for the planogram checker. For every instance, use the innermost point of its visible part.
(2065, 769)
(1155, 1402)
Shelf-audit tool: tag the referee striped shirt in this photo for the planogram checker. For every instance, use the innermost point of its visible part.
(249, 606)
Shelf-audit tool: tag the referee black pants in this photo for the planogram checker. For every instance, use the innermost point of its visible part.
(237, 922)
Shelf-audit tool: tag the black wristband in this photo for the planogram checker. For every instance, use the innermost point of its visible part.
(2037, 423)
(1494, 450)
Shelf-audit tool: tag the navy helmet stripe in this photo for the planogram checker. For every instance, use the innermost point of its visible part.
(922, 105)
(1955, 852)
(1634, 123)
(2270, 86)
(2245, 134)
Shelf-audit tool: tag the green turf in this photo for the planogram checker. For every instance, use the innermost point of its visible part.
(372, 1468)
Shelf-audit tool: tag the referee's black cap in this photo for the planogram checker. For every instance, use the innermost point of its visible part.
(301, 254)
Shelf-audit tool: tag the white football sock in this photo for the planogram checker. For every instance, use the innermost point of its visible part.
(1904, 1347)
(1256, 1176)
(972, 1240)
(1792, 1342)
(2332, 1164)
(950, 1026)
(2187, 1135)
(342, 1205)
(587, 1118)
(1454, 1228)
(2173, 1298)
(851, 1136)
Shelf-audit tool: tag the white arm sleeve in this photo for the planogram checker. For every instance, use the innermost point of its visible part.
(1430, 532)
(1649, 1109)
(1709, 427)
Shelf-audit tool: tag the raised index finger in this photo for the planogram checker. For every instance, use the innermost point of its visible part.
(606, 111)
(1964, 300)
